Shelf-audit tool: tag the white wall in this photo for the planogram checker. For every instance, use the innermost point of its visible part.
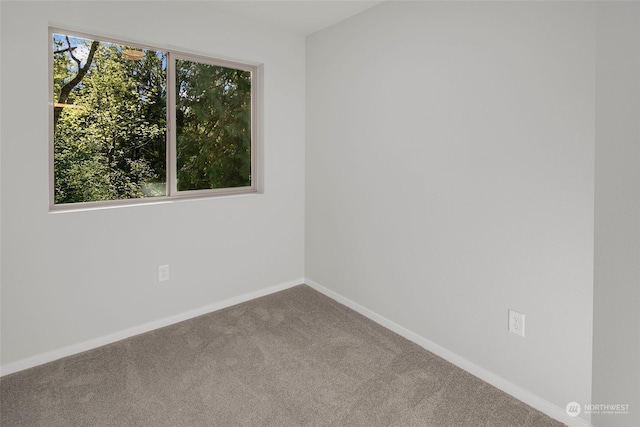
(450, 177)
(616, 347)
(76, 276)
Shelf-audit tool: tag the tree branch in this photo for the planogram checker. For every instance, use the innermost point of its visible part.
(79, 62)
(65, 91)
(64, 50)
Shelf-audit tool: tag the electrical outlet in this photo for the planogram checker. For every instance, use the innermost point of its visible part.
(163, 273)
(516, 323)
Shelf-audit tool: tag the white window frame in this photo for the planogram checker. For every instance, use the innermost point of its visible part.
(170, 156)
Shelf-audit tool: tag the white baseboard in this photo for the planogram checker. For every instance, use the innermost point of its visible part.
(50, 356)
(497, 381)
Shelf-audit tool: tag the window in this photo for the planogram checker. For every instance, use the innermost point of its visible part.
(131, 122)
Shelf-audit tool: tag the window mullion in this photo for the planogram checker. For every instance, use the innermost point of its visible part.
(171, 126)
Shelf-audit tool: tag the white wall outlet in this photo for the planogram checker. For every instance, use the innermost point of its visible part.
(516, 323)
(163, 273)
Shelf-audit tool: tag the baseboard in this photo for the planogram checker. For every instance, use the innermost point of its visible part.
(497, 381)
(50, 356)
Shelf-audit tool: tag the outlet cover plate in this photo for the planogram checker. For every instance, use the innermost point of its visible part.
(516, 323)
(163, 273)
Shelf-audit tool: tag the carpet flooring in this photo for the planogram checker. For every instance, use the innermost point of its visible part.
(293, 358)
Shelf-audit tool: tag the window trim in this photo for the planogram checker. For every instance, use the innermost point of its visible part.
(172, 193)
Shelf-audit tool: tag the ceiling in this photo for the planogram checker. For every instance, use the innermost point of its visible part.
(301, 17)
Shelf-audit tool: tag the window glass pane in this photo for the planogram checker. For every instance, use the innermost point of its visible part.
(213, 126)
(109, 120)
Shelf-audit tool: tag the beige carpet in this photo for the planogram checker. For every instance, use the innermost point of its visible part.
(294, 358)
